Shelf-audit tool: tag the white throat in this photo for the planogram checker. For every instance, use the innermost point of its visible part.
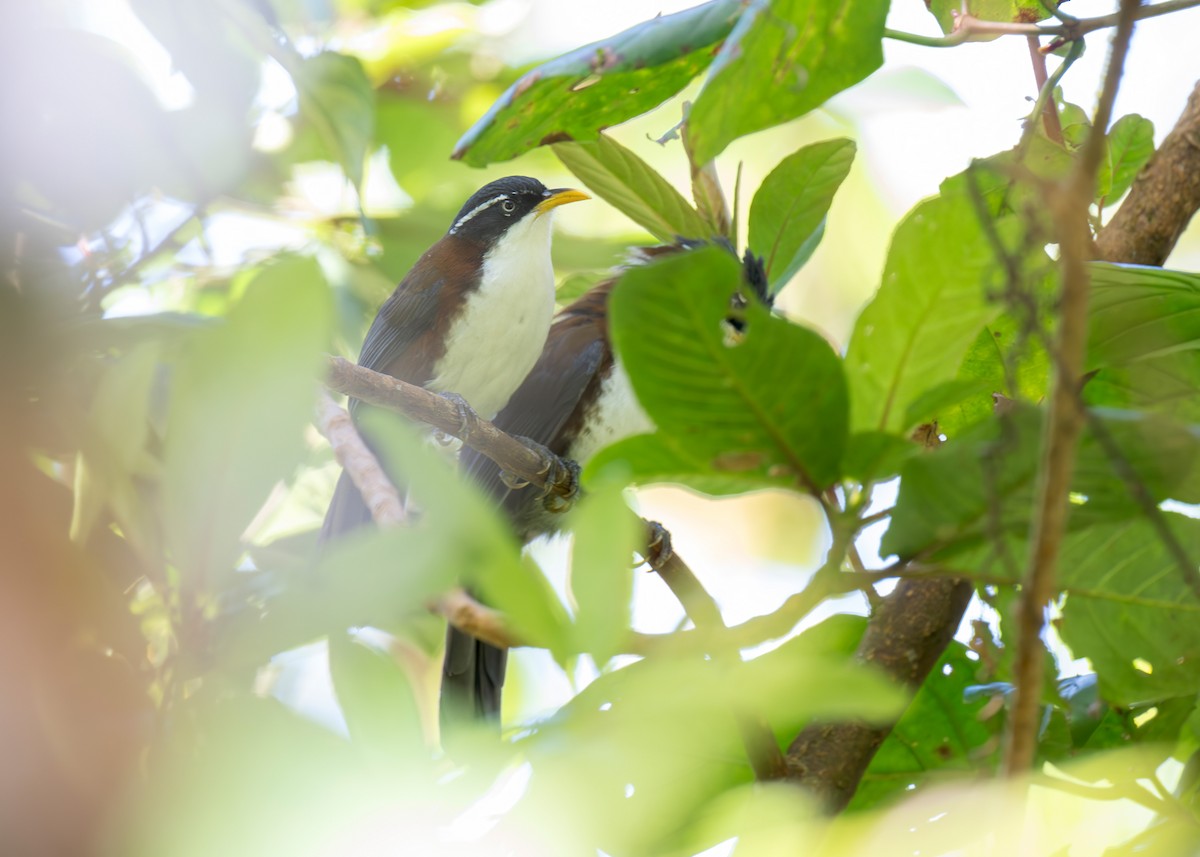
(506, 319)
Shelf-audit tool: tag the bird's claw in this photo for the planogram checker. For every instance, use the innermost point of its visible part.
(468, 420)
(658, 547)
(512, 480)
(562, 486)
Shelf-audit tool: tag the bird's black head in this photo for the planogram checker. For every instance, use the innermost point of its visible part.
(496, 206)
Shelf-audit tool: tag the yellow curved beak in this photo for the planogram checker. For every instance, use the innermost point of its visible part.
(560, 196)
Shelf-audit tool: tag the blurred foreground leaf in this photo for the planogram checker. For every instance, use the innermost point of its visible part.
(241, 397)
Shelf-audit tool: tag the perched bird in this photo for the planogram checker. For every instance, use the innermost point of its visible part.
(576, 400)
(471, 316)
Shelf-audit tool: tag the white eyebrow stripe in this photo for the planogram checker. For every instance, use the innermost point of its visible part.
(482, 207)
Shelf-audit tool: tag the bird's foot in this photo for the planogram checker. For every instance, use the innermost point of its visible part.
(562, 486)
(658, 547)
(468, 420)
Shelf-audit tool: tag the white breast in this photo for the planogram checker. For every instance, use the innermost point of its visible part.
(502, 328)
(615, 415)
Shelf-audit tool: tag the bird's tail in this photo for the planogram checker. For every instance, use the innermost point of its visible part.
(472, 678)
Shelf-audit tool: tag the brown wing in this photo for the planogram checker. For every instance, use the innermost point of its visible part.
(576, 357)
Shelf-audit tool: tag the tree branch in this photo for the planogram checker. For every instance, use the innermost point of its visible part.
(968, 28)
(532, 464)
(1064, 420)
(1162, 200)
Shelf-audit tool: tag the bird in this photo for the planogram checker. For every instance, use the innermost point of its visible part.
(575, 401)
(470, 318)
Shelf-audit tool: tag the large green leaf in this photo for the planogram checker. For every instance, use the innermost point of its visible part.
(1168, 383)
(941, 733)
(783, 59)
(730, 401)
(606, 535)
(242, 395)
(1137, 312)
(979, 485)
(1127, 148)
(579, 94)
(1129, 611)
(787, 216)
(651, 458)
(628, 183)
(377, 700)
(931, 305)
(336, 96)
(383, 578)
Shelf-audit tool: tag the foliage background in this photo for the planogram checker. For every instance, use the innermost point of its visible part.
(177, 164)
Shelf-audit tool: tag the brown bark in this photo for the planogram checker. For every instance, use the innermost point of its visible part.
(1162, 200)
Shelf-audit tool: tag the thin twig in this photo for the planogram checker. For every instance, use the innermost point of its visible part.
(1065, 418)
(970, 29)
(1049, 112)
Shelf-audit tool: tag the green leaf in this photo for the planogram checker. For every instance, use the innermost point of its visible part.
(1127, 148)
(336, 96)
(241, 398)
(940, 733)
(606, 535)
(1122, 578)
(787, 216)
(783, 59)
(979, 486)
(934, 403)
(1168, 384)
(477, 542)
(377, 701)
(962, 490)
(1076, 124)
(1136, 312)
(113, 451)
(630, 185)
(1000, 360)
(577, 95)
(658, 458)
(1007, 11)
(931, 306)
(729, 401)
(875, 455)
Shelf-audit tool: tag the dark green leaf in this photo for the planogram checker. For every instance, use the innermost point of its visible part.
(940, 733)
(783, 59)
(727, 400)
(579, 94)
(606, 535)
(931, 306)
(630, 185)
(241, 398)
(1128, 147)
(337, 98)
(1167, 384)
(787, 215)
